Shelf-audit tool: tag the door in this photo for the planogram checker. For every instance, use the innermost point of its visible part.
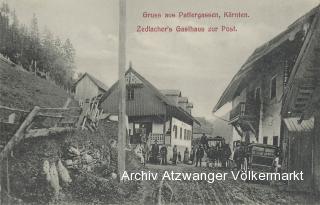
(300, 159)
(140, 130)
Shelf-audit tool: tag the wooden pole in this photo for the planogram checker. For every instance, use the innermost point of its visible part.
(122, 87)
(18, 136)
(8, 180)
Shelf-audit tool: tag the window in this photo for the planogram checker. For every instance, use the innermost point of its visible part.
(185, 134)
(181, 133)
(257, 94)
(273, 87)
(189, 135)
(275, 140)
(130, 93)
(175, 130)
(265, 140)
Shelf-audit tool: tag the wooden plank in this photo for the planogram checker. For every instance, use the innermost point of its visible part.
(18, 136)
(47, 131)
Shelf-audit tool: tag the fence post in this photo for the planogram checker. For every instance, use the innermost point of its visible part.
(18, 136)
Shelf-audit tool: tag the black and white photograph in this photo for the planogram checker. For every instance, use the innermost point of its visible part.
(164, 102)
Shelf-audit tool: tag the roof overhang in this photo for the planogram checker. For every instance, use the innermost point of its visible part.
(258, 54)
(294, 124)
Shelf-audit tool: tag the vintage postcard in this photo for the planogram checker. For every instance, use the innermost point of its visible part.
(159, 102)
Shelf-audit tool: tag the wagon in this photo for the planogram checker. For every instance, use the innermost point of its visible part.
(259, 157)
(213, 141)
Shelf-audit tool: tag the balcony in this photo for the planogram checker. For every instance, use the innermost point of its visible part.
(160, 138)
(245, 111)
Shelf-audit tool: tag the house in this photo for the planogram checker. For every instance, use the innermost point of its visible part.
(152, 113)
(271, 92)
(87, 87)
(175, 97)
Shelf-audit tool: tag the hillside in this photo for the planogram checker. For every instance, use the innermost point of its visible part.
(23, 90)
(222, 128)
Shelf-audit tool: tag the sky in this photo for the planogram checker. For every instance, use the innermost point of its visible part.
(199, 64)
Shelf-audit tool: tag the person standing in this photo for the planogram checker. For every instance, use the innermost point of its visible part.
(199, 155)
(192, 154)
(186, 156)
(179, 157)
(163, 153)
(175, 154)
(237, 156)
(204, 141)
(194, 149)
(155, 152)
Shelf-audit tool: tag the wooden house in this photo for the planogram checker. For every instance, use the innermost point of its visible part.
(271, 92)
(151, 113)
(88, 87)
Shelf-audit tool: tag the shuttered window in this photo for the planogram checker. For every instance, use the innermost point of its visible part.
(175, 130)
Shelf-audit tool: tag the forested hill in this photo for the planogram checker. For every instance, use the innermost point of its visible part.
(42, 51)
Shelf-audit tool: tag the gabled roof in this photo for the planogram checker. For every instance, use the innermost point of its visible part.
(97, 82)
(170, 92)
(162, 97)
(260, 53)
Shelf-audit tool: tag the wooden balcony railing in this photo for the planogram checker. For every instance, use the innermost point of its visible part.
(161, 138)
(244, 110)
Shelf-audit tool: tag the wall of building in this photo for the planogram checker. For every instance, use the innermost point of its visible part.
(145, 103)
(181, 143)
(271, 118)
(157, 128)
(240, 98)
(86, 89)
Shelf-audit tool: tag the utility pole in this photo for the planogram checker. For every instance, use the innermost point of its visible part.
(122, 87)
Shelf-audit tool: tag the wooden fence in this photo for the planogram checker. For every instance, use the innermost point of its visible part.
(40, 122)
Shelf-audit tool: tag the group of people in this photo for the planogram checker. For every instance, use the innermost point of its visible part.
(159, 155)
(177, 155)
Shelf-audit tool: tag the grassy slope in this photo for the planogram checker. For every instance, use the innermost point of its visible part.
(24, 90)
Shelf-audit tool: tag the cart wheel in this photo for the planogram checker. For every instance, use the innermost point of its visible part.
(245, 164)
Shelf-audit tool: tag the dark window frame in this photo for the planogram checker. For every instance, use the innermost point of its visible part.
(275, 138)
(265, 140)
(175, 130)
(130, 93)
(273, 87)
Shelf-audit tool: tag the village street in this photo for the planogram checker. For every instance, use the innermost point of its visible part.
(227, 191)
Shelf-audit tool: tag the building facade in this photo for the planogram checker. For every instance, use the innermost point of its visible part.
(88, 87)
(271, 93)
(151, 113)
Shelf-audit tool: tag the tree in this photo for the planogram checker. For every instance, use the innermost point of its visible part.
(23, 45)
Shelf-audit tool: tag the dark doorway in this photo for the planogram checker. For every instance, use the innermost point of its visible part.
(140, 129)
(275, 140)
(265, 140)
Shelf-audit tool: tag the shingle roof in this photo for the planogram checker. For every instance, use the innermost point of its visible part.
(94, 80)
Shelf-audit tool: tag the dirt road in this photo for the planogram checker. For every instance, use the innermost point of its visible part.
(228, 191)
